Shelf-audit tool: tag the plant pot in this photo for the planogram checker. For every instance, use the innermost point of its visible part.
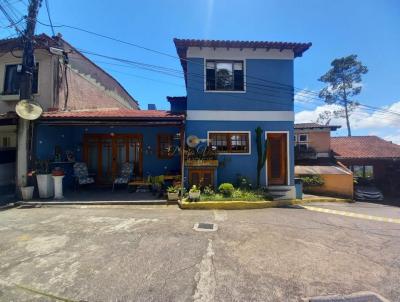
(27, 192)
(45, 185)
(172, 196)
(194, 195)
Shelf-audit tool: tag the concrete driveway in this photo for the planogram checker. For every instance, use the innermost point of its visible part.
(152, 253)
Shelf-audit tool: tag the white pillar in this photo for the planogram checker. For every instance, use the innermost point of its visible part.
(22, 153)
(58, 189)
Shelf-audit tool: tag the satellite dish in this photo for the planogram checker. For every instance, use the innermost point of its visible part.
(192, 141)
(28, 110)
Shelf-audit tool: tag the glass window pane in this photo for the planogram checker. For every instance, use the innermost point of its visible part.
(224, 74)
(238, 66)
(369, 171)
(303, 137)
(358, 171)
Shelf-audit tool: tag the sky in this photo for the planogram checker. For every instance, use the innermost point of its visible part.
(368, 28)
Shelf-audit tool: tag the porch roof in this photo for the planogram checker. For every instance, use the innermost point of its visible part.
(114, 115)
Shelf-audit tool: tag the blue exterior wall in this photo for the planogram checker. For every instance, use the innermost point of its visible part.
(179, 106)
(243, 164)
(259, 95)
(71, 138)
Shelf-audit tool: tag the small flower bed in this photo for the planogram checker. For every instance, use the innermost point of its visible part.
(235, 194)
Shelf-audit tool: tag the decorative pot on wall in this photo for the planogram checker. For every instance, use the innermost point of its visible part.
(45, 185)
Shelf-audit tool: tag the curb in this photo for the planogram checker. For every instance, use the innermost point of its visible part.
(248, 205)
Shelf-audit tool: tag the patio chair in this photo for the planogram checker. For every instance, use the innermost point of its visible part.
(81, 174)
(125, 175)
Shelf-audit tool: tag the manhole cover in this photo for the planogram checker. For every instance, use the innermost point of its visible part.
(205, 227)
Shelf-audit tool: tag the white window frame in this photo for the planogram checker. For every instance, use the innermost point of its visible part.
(223, 91)
(300, 141)
(231, 131)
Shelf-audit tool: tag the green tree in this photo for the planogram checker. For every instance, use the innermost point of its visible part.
(343, 83)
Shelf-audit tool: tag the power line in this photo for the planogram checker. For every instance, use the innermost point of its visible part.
(304, 91)
(49, 16)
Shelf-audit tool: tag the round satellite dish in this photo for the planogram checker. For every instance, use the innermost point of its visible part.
(28, 110)
(192, 141)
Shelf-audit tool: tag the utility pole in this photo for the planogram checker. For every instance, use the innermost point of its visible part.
(28, 65)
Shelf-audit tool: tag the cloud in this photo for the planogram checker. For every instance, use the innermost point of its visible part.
(303, 97)
(361, 118)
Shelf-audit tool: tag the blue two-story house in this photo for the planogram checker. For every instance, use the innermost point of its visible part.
(234, 87)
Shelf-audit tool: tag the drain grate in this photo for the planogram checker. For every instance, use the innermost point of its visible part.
(205, 227)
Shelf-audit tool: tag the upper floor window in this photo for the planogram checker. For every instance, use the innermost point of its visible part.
(12, 79)
(234, 142)
(303, 138)
(224, 75)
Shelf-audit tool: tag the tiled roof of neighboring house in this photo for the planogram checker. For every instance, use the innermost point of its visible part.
(183, 44)
(315, 126)
(43, 41)
(113, 114)
(364, 147)
(176, 99)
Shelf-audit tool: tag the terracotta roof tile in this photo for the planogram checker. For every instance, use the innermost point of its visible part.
(364, 147)
(113, 114)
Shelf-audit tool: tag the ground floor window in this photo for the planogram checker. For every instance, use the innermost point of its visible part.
(363, 171)
(230, 142)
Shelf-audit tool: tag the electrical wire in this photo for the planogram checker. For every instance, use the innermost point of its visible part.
(49, 16)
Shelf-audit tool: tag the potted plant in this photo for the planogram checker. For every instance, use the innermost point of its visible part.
(27, 191)
(173, 193)
(44, 179)
(194, 193)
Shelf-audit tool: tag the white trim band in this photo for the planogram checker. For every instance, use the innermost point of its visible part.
(223, 115)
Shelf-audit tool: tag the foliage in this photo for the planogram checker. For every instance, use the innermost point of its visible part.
(238, 194)
(194, 189)
(42, 166)
(312, 180)
(226, 189)
(343, 82)
(262, 156)
(201, 153)
(243, 182)
(173, 189)
(208, 190)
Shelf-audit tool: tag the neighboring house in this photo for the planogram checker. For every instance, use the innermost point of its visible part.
(313, 140)
(314, 157)
(371, 158)
(229, 95)
(61, 81)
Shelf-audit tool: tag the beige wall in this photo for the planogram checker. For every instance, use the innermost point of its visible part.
(45, 76)
(317, 139)
(334, 184)
(89, 86)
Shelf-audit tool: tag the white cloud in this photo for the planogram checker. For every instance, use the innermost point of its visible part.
(361, 118)
(303, 97)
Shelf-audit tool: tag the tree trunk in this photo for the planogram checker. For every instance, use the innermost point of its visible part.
(347, 118)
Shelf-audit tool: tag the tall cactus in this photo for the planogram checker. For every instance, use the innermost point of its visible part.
(262, 156)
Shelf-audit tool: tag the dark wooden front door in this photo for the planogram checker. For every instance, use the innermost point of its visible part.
(104, 154)
(201, 177)
(277, 158)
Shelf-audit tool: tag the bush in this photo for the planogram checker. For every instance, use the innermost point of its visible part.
(208, 190)
(312, 180)
(226, 189)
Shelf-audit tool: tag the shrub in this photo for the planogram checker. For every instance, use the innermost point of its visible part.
(194, 189)
(226, 189)
(208, 190)
(173, 189)
(312, 180)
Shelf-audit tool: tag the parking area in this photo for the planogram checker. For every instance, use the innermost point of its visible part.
(152, 253)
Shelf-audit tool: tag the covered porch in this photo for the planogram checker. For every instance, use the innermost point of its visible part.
(149, 140)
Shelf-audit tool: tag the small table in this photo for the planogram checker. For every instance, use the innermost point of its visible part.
(132, 186)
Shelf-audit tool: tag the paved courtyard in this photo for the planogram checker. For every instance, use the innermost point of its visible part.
(152, 253)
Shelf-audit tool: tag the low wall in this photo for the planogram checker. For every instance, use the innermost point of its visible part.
(335, 185)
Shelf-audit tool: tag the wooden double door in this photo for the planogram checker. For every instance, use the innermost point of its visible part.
(201, 177)
(104, 154)
(277, 158)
